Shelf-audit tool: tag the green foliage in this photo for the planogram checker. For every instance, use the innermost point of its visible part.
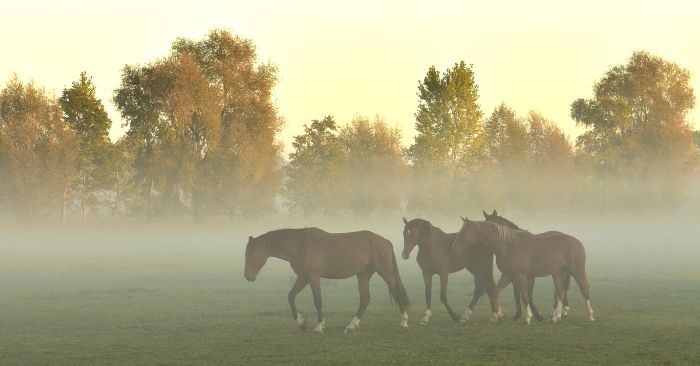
(357, 168)
(638, 139)
(88, 119)
(450, 140)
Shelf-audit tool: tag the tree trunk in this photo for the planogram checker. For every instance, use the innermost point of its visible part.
(63, 205)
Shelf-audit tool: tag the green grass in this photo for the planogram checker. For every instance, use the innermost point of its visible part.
(187, 304)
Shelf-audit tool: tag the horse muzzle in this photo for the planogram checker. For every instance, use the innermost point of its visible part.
(405, 255)
(249, 278)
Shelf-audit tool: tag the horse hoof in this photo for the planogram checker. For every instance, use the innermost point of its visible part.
(538, 318)
(423, 322)
(517, 316)
(464, 321)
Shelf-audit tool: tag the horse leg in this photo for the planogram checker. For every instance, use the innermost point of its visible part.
(392, 282)
(299, 285)
(443, 296)
(582, 281)
(530, 288)
(558, 295)
(502, 283)
(489, 286)
(567, 282)
(478, 291)
(315, 283)
(520, 281)
(428, 281)
(363, 288)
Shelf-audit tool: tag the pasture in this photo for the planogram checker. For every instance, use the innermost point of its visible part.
(166, 296)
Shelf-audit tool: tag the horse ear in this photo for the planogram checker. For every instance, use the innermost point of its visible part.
(404, 220)
(464, 219)
(494, 212)
(250, 238)
(486, 216)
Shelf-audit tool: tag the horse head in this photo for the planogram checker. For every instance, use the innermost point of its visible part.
(255, 258)
(413, 232)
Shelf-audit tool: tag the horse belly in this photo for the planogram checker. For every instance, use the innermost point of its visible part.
(344, 265)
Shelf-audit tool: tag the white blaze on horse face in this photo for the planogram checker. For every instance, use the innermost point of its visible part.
(465, 316)
(590, 310)
(319, 327)
(404, 320)
(426, 317)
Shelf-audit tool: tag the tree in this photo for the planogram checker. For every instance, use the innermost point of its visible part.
(507, 144)
(203, 128)
(638, 147)
(550, 184)
(450, 140)
(376, 169)
(88, 119)
(37, 152)
(315, 173)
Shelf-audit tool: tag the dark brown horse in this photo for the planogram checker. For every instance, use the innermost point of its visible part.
(523, 256)
(315, 254)
(436, 258)
(505, 281)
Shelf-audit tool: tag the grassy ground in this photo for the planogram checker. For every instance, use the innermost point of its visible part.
(91, 298)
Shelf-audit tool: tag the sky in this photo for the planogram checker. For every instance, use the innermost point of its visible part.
(360, 57)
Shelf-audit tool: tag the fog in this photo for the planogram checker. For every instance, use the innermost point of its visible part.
(618, 245)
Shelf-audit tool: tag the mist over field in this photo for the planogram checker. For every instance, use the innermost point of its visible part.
(143, 249)
(173, 294)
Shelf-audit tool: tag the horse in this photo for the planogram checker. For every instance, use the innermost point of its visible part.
(504, 280)
(435, 257)
(314, 254)
(523, 256)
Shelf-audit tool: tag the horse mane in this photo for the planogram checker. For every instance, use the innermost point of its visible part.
(507, 234)
(506, 222)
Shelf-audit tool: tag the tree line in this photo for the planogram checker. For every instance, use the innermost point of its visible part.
(202, 140)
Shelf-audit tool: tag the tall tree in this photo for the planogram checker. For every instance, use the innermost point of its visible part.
(639, 142)
(37, 152)
(204, 128)
(88, 119)
(376, 168)
(507, 145)
(315, 172)
(450, 139)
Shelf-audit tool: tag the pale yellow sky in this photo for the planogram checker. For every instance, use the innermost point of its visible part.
(361, 57)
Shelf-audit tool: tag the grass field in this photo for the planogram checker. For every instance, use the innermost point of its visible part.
(155, 297)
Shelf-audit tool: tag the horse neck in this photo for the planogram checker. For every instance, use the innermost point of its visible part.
(283, 247)
(489, 237)
(434, 236)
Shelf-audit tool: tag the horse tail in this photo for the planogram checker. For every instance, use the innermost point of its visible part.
(400, 290)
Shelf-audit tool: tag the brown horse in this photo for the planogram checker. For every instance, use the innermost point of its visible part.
(504, 280)
(314, 254)
(523, 256)
(436, 258)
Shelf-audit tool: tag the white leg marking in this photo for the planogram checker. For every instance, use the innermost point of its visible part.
(300, 320)
(404, 320)
(354, 324)
(320, 326)
(465, 316)
(426, 317)
(565, 312)
(590, 310)
(556, 314)
(528, 314)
